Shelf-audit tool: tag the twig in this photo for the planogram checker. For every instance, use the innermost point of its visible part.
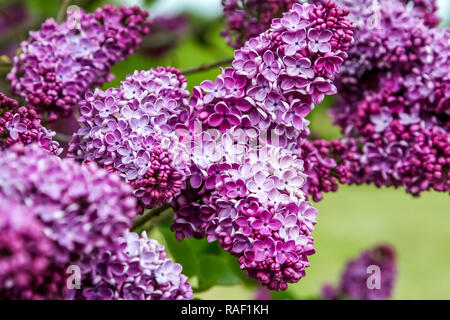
(62, 137)
(62, 11)
(148, 216)
(207, 66)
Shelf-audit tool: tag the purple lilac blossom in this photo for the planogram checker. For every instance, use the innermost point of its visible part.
(21, 125)
(137, 270)
(251, 199)
(83, 209)
(25, 254)
(131, 130)
(355, 281)
(60, 62)
(246, 19)
(395, 101)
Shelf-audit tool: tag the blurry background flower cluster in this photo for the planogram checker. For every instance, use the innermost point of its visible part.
(186, 34)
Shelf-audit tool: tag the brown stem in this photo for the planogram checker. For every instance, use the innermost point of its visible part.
(140, 221)
(205, 67)
(62, 11)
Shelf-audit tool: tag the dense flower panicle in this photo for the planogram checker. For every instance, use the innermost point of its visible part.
(395, 101)
(278, 76)
(245, 188)
(359, 282)
(82, 208)
(248, 18)
(131, 131)
(252, 203)
(62, 61)
(22, 125)
(137, 270)
(25, 253)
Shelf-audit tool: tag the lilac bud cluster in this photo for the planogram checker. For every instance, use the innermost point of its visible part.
(246, 19)
(20, 125)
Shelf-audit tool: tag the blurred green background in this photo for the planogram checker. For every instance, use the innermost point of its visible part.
(350, 221)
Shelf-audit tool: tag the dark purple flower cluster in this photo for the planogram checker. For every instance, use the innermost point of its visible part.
(138, 270)
(22, 125)
(395, 101)
(131, 131)
(167, 31)
(246, 19)
(83, 209)
(248, 125)
(60, 62)
(25, 252)
(371, 276)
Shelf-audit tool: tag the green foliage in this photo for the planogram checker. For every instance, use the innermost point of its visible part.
(206, 264)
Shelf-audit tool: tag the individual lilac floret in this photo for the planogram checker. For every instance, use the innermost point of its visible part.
(359, 280)
(25, 254)
(137, 270)
(131, 130)
(60, 62)
(83, 208)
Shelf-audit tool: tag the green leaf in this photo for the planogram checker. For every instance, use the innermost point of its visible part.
(210, 268)
(181, 252)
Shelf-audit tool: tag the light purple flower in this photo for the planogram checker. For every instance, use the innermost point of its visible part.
(319, 40)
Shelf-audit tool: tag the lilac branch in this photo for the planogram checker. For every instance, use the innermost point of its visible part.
(205, 67)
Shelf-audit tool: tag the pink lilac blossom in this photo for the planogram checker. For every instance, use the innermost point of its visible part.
(131, 130)
(25, 254)
(60, 62)
(245, 188)
(395, 102)
(82, 208)
(359, 274)
(21, 125)
(137, 270)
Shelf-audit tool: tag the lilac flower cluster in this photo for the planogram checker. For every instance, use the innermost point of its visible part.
(138, 270)
(131, 131)
(354, 283)
(25, 252)
(82, 208)
(245, 185)
(395, 101)
(62, 61)
(246, 19)
(23, 126)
